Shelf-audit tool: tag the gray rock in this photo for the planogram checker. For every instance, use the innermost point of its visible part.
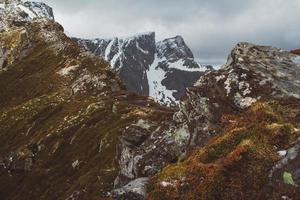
(2, 58)
(134, 190)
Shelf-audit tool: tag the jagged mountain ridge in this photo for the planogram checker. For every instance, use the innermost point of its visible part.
(17, 11)
(162, 70)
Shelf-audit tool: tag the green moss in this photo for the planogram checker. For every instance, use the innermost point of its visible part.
(222, 146)
(288, 178)
(172, 172)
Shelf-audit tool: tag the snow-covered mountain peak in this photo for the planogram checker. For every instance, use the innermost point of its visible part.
(162, 70)
(142, 35)
(40, 9)
(14, 12)
(174, 48)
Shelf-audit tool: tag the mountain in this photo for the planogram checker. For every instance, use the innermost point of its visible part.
(245, 117)
(62, 111)
(70, 130)
(162, 70)
(14, 12)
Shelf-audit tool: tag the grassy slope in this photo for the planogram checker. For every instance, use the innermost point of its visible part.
(237, 164)
(45, 129)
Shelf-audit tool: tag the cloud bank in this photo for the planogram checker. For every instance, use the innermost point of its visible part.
(210, 27)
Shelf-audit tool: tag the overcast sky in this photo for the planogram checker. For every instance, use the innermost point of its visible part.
(210, 27)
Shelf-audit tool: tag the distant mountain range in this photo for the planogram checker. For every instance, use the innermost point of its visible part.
(162, 70)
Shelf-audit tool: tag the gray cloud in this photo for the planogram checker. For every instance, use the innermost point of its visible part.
(210, 27)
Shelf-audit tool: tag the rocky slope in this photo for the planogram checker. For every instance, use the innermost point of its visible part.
(162, 70)
(69, 130)
(249, 106)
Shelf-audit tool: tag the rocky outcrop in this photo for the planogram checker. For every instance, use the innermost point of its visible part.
(253, 74)
(243, 161)
(296, 51)
(162, 70)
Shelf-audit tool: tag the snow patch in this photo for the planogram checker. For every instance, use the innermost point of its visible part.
(108, 50)
(282, 153)
(31, 14)
(180, 65)
(156, 90)
(139, 48)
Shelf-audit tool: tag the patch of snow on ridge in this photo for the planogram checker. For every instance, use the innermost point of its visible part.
(31, 14)
(41, 9)
(156, 90)
(108, 49)
(180, 65)
(2, 5)
(139, 48)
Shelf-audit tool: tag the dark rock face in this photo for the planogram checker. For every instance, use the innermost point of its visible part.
(174, 49)
(148, 67)
(178, 80)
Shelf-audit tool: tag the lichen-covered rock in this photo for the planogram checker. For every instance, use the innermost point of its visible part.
(242, 162)
(134, 190)
(252, 74)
